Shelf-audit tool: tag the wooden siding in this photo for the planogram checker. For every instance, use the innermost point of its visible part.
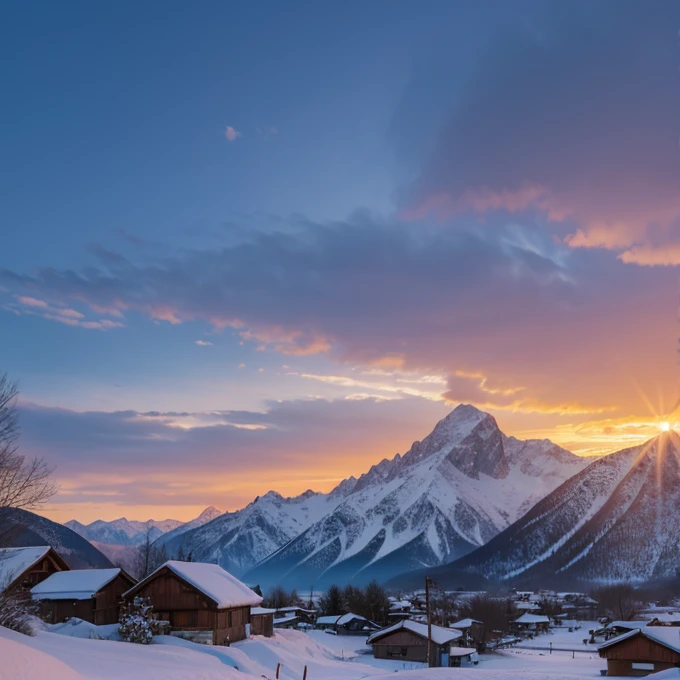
(188, 609)
(262, 624)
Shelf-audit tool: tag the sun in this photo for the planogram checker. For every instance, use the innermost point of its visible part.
(665, 426)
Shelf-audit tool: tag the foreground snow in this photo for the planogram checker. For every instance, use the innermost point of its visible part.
(76, 656)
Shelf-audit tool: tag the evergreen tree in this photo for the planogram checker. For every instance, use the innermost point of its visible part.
(331, 603)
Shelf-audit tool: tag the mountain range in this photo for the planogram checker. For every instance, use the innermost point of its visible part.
(614, 521)
(449, 494)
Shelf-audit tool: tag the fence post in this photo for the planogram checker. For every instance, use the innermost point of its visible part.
(551, 646)
(304, 674)
(278, 668)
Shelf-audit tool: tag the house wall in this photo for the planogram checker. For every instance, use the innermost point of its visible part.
(56, 611)
(186, 608)
(262, 624)
(638, 649)
(107, 600)
(403, 644)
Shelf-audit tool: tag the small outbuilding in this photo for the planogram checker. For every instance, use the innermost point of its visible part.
(201, 602)
(93, 595)
(642, 651)
(407, 641)
(262, 621)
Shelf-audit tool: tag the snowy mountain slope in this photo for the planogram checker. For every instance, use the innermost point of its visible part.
(237, 540)
(23, 528)
(123, 531)
(208, 515)
(449, 494)
(617, 520)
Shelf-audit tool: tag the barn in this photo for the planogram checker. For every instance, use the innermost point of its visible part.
(642, 651)
(407, 641)
(93, 595)
(347, 624)
(472, 630)
(530, 624)
(201, 602)
(23, 568)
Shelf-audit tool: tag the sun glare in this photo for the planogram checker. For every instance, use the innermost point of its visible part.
(665, 426)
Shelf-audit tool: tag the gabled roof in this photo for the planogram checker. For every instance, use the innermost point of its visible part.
(15, 561)
(667, 636)
(257, 611)
(532, 618)
(215, 583)
(465, 623)
(629, 625)
(78, 584)
(440, 636)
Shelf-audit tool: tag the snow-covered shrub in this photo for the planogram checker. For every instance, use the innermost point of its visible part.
(18, 612)
(137, 622)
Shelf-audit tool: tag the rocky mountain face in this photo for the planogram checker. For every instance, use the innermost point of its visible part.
(238, 540)
(19, 528)
(614, 521)
(449, 494)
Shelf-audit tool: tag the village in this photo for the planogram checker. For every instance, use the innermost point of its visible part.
(200, 606)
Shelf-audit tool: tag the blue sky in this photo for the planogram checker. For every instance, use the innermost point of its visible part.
(399, 205)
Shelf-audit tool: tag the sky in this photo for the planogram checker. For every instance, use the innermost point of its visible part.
(254, 246)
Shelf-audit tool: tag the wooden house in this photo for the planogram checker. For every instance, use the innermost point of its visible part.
(642, 651)
(93, 595)
(201, 601)
(407, 641)
(23, 568)
(262, 621)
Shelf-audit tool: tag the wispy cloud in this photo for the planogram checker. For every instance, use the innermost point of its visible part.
(203, 343)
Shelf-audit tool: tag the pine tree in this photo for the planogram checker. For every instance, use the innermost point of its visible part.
(137, 622)
(331, 603)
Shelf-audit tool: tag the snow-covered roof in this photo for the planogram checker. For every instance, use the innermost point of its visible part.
(327, 620)
(532, 618)
(347, 618)
(630, 625)
(15, 561)
(440, 636)
(464, 623)
(667, 636)
(254, 611)
(285, 619)
(462, 651)
(214, 582)
(667, 618)
(77, 584)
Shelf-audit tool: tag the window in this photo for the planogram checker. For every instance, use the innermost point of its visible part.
(229, 619)
(642, 666)
(403, 651)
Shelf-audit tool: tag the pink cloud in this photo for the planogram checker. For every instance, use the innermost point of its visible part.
(31, 302)
(231, 134)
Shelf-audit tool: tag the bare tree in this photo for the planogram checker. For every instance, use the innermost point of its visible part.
(149, 556)
(24, 483)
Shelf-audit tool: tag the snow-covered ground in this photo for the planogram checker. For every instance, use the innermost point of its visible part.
(75, 656)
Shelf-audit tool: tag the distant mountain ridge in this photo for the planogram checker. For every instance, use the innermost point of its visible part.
(22, 528)
(125, 532)
(615, 521)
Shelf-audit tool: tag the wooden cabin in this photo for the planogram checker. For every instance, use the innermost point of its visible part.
(201, 602)
(642, 651)
(262, 621)
(23, 568)
(407, 641)
(93, 595)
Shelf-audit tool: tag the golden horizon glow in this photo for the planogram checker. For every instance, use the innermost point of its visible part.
(665, 426)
